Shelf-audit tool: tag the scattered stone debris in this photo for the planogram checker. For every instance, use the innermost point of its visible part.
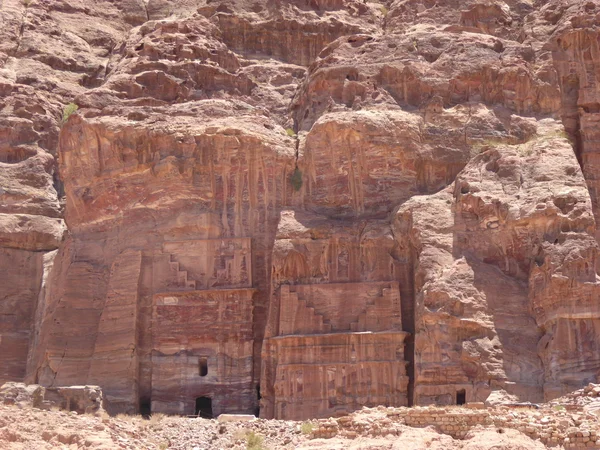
(569, 422)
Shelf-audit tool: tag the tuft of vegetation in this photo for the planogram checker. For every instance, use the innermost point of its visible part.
(523, 149)
(129, 418)
(290, 132)
(484, 145)
(528, 148)
(384, 11)
(69, 109)
(296, 179)
(163, 446)
(306, 428)
(156, 418)
(254, 441)
(558, 408)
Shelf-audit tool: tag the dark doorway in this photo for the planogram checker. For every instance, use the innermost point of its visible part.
(461, 397)
(204, 407)
(258, 397)
(145, 406)
(203, 366)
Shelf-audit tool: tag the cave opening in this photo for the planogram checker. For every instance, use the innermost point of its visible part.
(145, 406)
(204, 407)
(461, 397)
(258, 397)
(203, 367)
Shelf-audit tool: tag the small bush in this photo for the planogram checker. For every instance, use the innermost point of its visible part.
(254, 441)
(307, 428)
(290, 132)
(384, 11)
(296, 179)
(156, 418)
(69, 109)
(559, 408)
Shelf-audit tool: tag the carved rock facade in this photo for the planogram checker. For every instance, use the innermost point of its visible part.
(299, 208)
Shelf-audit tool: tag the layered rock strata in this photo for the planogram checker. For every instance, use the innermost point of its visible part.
(295, 208)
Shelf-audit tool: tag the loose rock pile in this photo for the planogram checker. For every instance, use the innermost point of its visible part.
(554, 425)
(82, 399)
(568, 422)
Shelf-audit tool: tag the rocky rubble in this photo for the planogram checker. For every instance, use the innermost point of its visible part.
(551, 424)
(472, 428)
(81, 399)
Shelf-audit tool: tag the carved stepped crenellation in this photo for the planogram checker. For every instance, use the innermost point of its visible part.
(180, 276)
(319, 308)
(301, 317)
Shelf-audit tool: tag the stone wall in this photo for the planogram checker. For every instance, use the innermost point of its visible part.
(551, 427)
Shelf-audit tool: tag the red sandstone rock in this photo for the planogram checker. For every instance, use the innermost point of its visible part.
(326, 204)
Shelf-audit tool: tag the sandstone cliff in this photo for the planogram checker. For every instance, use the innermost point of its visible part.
(299, 208)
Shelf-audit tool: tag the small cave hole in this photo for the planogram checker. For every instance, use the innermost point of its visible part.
(73, 406)
(204, 407)
(203, 367)
(539, 261)
(461, 397)
(145, 406)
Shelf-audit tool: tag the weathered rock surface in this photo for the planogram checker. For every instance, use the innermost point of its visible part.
(299, 208)
(81, 399)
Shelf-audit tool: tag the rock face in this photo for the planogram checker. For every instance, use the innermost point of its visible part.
(334, 339)
(297, 208)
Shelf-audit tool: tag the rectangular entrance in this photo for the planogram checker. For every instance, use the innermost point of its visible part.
(204, 407)
(461, 397)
